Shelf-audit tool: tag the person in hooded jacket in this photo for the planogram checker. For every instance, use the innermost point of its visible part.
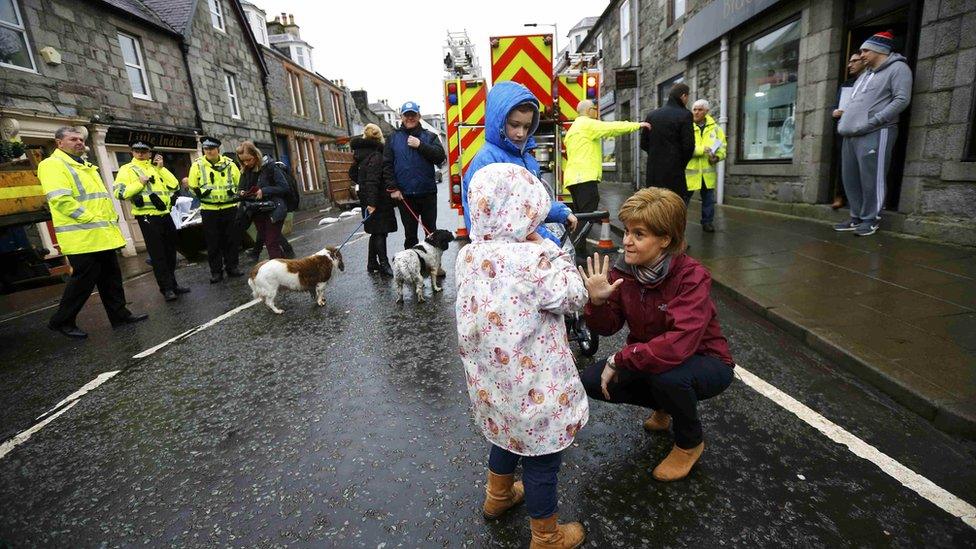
(675, 355)
(869, 126)
(262, 182)
(511, 119)
(367, 172)
(670, 142)
(513, 288)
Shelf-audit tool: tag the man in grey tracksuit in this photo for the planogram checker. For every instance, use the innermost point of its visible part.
(869, 125)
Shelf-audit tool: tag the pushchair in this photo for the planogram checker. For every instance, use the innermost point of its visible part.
(576, 329)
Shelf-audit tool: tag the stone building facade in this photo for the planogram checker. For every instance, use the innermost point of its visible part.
(87, 80)
(227, 69)
(309, 114)
(785, 62)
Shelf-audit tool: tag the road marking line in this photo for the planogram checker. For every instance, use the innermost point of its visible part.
(908, 478)
(21, 438)
(199, 328)
(102, 378)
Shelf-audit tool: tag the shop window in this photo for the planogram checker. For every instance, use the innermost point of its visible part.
(15, 49)
(664, 88)
(217, 15)
(235, 105)
(135, 66)
(767, 99)
(306, 164)
(625, 34)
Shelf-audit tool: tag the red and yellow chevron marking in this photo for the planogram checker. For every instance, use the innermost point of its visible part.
(453, 117)
(526, 60)
(465, 124)
(571, 92)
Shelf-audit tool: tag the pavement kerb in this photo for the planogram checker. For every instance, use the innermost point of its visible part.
(944, 416)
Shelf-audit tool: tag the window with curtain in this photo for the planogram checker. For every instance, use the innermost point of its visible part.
(625, 45)
(135, 66)
(232, 100)
(15, 49)
(767, 102)
(217, 15)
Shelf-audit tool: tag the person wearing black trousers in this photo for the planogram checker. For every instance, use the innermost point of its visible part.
(409, 159)
(367, 172)
(215, 179)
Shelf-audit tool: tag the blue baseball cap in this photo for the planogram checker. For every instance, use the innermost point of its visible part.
(410, 106)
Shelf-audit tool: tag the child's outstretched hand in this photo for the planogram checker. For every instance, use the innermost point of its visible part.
(595, 278)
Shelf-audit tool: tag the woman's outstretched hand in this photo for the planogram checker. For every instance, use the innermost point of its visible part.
(595, 278)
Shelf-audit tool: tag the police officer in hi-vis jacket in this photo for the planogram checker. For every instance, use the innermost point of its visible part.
(149, 186)
(214, 178)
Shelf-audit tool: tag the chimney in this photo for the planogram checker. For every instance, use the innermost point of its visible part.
(361, 99)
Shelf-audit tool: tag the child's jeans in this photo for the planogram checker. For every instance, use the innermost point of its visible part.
(539, 475)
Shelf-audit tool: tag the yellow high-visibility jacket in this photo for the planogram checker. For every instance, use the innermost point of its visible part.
(215, 184)
(128, 183)
(81, 209)
(584, 148)
(698, 168)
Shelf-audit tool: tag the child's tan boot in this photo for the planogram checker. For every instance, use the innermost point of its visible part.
(547, 533)
(501, 494)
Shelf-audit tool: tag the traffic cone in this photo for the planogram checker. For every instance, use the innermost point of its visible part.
(462, 230)
(605, 243)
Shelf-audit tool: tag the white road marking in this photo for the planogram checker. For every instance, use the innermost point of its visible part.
(199, 328)
(21, 438)
(102, 378)
(908, 478)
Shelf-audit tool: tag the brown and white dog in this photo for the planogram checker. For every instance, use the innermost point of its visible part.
(308, 274)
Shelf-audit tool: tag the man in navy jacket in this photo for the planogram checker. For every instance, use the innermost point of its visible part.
(409, 159)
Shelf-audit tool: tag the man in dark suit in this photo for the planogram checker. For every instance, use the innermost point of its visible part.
(670, 142)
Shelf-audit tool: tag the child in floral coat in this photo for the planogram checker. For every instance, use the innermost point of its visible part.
(513, 288)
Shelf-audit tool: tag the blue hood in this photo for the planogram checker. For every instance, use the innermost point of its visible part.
(502, 98)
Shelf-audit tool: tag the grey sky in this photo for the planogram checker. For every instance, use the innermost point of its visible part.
(393, 49)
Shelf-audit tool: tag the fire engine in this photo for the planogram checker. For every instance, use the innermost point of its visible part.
(528, 60)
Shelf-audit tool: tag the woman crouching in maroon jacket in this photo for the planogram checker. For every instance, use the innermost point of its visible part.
(675, 354)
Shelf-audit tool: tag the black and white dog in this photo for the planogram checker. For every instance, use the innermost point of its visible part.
(411, 265)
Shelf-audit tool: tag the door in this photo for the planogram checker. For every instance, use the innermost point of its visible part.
(901, 18)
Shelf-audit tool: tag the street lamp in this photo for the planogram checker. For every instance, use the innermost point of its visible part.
(555, 35)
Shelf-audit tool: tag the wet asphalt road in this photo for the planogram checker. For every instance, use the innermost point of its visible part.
(348, 426)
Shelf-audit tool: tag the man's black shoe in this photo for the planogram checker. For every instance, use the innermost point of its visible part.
(131, 319)
(180, 290)
(373, 268)
(169, 295)
(73, 332)
(708, 228)
(386, 270)
(234, 273)
(215, 278)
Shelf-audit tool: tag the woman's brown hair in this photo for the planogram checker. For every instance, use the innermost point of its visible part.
(661, 211)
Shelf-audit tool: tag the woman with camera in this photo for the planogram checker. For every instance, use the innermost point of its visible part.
(263, 190)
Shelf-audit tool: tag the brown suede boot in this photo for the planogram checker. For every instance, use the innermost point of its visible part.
(548, 533)
(678, 463)
(659, 421)
(501, 494)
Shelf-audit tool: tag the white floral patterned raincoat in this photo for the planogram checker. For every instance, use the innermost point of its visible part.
(511, 296)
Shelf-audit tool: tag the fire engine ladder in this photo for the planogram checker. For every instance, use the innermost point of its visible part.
(460, 59)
